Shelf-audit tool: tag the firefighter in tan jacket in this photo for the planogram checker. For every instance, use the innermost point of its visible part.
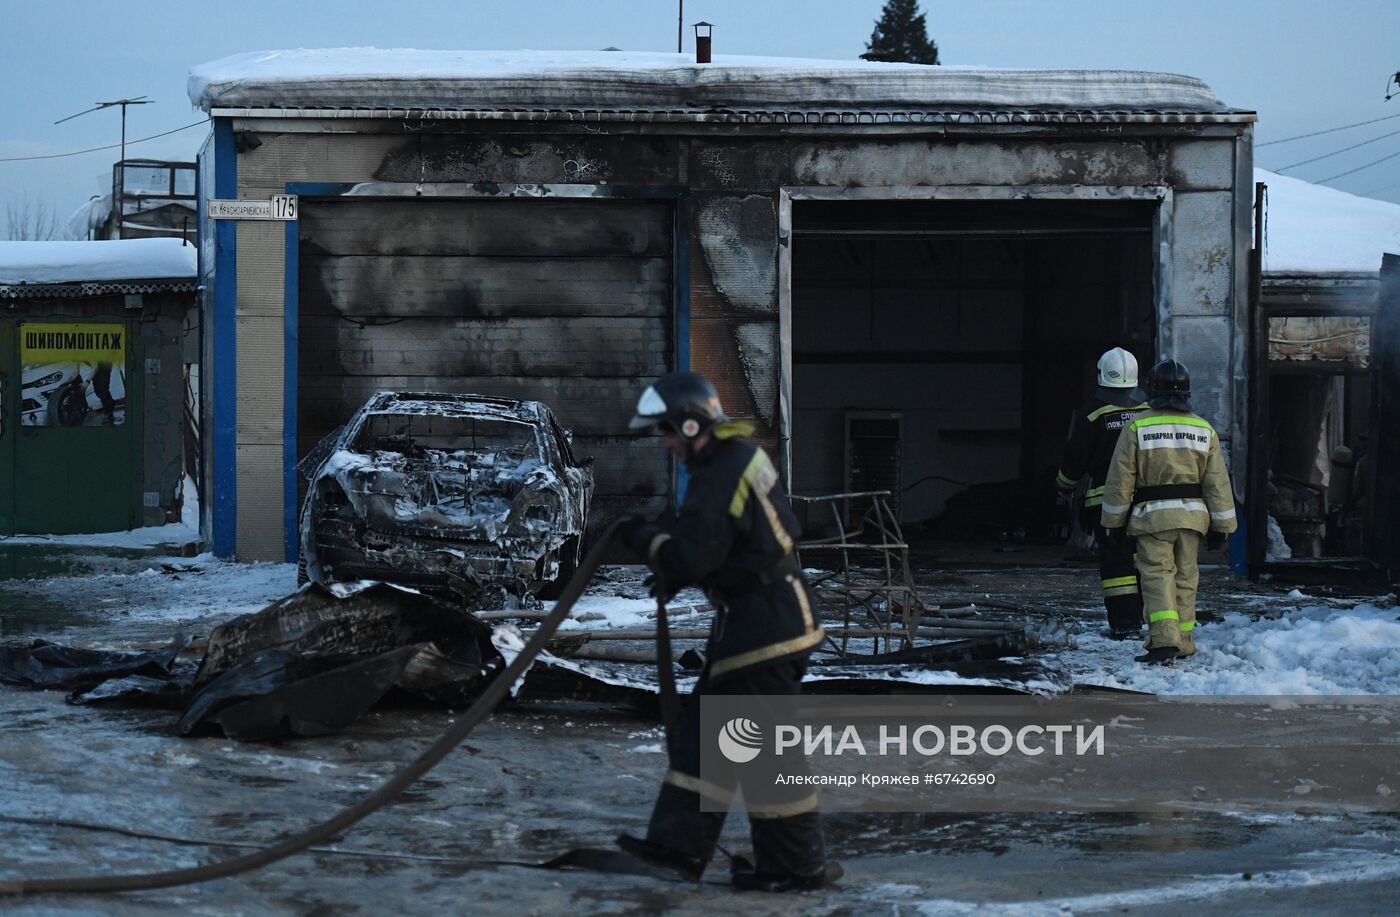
(1167, 487)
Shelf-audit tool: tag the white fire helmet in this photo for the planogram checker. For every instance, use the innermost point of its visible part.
(1118, 369)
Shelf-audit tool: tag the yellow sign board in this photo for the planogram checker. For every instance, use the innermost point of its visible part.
(71, 343)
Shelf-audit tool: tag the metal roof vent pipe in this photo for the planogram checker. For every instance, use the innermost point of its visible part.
(703, 31)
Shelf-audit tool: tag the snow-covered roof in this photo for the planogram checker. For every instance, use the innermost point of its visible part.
(42, 263)
(90, 215)
(1313, 229)
(661, 86)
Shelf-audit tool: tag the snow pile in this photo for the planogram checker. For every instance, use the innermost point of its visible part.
(152, 536)
(615, 612)
(1314, 649)
(1315, 229)
(600, 612)
(88, 262)
(85, 220)
(189, 504)
(1278, 545)
(369, 78)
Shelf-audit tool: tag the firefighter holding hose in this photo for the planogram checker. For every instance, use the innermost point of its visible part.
(734, 536)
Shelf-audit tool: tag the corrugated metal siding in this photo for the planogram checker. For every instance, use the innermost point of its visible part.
(562, 301)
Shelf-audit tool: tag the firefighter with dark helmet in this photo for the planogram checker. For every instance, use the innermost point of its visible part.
(734, 536)
(1167, 487)
(1092, 437)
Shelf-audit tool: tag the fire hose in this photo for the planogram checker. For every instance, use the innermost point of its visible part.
(483, 706)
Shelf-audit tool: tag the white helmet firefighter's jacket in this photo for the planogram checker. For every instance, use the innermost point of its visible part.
(734, 536)
(1168, 472)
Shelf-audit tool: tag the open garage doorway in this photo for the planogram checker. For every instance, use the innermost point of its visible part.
(939, 349)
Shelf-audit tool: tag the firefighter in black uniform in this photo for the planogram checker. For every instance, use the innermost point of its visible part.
(734, 537)
(1092, 436)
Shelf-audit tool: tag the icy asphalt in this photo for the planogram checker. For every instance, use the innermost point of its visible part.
(542, 778)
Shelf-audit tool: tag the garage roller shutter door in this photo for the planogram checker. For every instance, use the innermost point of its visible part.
(568, 302)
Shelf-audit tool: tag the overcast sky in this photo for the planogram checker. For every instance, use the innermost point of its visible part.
(1304, 65)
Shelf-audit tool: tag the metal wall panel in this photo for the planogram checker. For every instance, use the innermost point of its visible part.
(566, 302)
(1206, 345)
(992, 162)
(1202, 262)
(1202, 165)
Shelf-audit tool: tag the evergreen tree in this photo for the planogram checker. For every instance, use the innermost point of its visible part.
(900, 35)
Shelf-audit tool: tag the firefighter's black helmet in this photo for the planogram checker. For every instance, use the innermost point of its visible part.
(685, 402)
(1169, 386)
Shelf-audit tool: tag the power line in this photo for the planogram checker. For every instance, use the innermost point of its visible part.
(1330, 130)
(1374, 162)
(110, 146)
(1395, 184)
(1335, 152)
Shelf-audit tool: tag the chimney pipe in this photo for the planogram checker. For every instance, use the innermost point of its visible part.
(702, 42)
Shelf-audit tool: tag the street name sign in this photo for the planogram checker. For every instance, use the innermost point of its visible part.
(278, 207)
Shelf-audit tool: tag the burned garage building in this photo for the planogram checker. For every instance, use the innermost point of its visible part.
(1326, 365)
(902, 274)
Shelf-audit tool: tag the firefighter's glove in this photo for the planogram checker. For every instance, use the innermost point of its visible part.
(659, 589)
(1215, 541)
(636, 532)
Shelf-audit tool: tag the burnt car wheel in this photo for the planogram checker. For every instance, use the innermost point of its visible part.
(568, 565)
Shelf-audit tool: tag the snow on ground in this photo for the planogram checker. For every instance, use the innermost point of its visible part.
(168, 590)
(1273, 645)
(78, 262)
(1312, 649)
(596, 611)
(151, 536)
(1318, 869)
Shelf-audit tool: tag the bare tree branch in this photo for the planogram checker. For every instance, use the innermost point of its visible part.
(27, 220)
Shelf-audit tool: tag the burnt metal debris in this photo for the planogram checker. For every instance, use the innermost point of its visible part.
(314, 662)
(465, 496)
(888, 600)
(42, 664)
(309, 664)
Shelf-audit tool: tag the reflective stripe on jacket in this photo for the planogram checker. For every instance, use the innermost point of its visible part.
(1089, 448)
(733, 529)
(1163, 446)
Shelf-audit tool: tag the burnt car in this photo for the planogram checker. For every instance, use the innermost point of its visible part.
(460, 495)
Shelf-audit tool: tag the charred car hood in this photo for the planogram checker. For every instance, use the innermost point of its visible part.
(454, 495)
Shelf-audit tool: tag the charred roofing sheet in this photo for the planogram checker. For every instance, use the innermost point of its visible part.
(369, 82)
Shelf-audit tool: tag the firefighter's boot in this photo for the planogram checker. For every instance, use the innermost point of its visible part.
(746, 878)
(687, 867)
(1162, 655)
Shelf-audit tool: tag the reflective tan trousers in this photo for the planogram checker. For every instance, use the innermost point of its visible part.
(1167, 575)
